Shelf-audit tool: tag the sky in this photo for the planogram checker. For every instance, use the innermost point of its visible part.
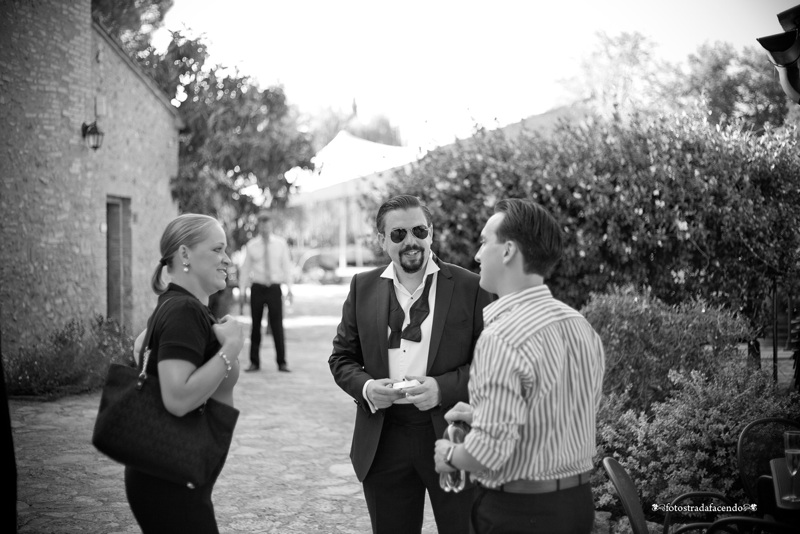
(436, 68)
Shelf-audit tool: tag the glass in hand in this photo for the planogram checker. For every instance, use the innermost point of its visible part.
(791, 449)
(455, 480)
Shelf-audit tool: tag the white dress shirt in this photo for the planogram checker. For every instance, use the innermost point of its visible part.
(411, 358)
(280, 262)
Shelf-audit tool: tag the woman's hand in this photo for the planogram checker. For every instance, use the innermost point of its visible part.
(229, 333)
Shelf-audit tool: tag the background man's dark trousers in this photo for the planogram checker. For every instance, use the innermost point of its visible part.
(270, 296)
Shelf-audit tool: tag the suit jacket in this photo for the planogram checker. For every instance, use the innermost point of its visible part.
(361, 348)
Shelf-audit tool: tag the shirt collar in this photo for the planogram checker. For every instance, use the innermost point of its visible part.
(511, 301)
(430, 268)
(172, 286)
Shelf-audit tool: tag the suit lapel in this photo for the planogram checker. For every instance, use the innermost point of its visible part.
(382, 320)
(444, 293)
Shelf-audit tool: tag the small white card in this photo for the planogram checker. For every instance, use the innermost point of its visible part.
(405, 384)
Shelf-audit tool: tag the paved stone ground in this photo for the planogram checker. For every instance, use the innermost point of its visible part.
(288, 470)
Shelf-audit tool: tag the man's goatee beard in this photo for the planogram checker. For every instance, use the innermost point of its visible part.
(413, 267)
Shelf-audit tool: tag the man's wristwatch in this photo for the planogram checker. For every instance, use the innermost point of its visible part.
(448, 459)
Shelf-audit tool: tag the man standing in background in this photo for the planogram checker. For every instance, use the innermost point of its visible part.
(268, 265)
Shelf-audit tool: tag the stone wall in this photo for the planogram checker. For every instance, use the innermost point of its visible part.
(57, 71)
(137, 160)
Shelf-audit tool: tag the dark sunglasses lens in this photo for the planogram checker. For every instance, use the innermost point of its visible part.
(420, 232)
(398, 235)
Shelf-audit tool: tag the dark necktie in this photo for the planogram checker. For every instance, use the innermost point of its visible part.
(267, 273)
(419, 311)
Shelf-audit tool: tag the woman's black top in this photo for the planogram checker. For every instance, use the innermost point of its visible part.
(182, 330)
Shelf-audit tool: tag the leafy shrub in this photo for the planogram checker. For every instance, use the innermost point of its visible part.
(73, 360)
(645, 339)
(677, 393)
(689, 441)
(673, 202)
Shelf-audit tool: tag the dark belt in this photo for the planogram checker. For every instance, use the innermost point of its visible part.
(544, 486)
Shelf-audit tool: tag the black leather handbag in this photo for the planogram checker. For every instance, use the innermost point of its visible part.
(135, 429)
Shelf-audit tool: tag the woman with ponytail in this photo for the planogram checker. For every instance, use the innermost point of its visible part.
(193, 356)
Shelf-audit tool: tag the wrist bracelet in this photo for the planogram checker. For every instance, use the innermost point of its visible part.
(448, 460)
(227, 363)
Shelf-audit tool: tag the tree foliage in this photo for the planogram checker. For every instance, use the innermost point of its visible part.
(688, 442)
(676, 393)
(236, 136)
(377, 129)
(132, 21)
(645, 339)
(676, 204)
(736, 85)
(238, 140)
(624, 76)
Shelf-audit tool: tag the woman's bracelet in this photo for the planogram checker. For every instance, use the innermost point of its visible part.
(227, 363)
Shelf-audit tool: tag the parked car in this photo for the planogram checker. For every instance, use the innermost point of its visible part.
(322, 264)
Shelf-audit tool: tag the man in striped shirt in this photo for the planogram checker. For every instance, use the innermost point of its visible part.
(534, 387)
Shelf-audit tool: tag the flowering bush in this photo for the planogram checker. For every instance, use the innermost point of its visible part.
(645, 339)
(73, 360)
(674, 202)
(688, 443)
(677, 392)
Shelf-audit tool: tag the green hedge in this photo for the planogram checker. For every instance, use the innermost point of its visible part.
(689, 442)
(699, 392)
(675, 203)
(74, 359)
(645, 339)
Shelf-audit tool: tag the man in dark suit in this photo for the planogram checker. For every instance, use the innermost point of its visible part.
(417, 319)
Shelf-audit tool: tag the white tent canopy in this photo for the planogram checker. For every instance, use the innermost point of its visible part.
(348, 157)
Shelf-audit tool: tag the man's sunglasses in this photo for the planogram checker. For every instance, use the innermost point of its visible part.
(399, 234)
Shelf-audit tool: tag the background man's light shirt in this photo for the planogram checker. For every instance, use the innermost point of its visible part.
(280, 262)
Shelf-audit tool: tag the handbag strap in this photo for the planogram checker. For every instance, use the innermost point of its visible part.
(144, 351)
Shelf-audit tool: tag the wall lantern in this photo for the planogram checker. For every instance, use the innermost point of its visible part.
(92, 135)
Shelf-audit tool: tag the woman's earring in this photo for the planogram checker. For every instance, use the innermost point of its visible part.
(185, 267)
